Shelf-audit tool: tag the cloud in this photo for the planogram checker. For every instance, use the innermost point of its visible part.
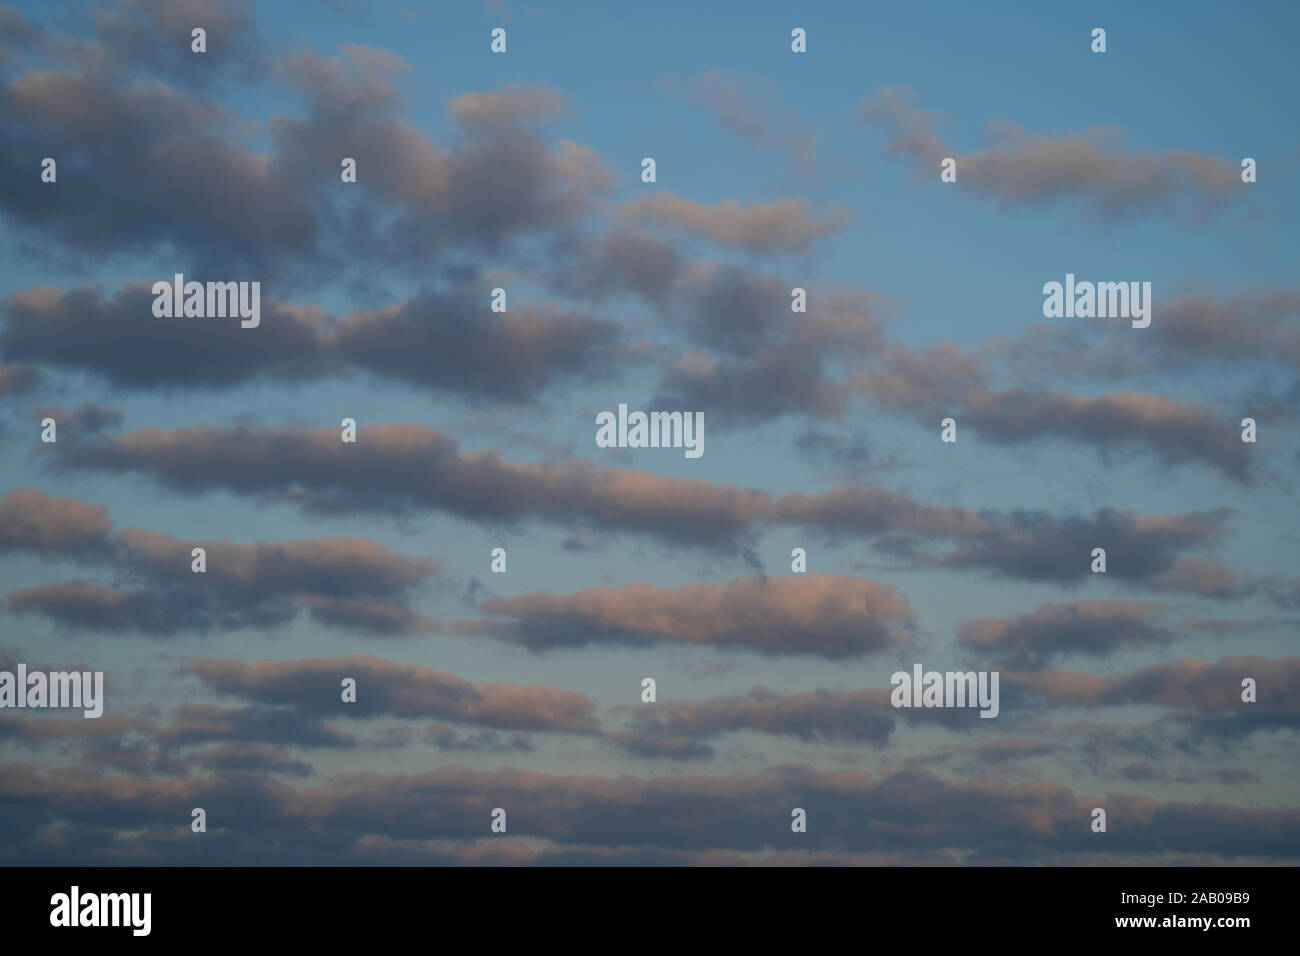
(1253, 326)
(739, 313)
(744, 108)
(748, 358)
(386, 688)
(754, 360)
(779, 382)
(16, 379)
(1000, 751)
(1174, 431)
(193, 723)
(653, 745)
(1206, 696)
(252, 759)
(508, 105)
(446, 341)
(1041, 547)
(450, 740)
(850, 453)
(943, 381)
(677, 728)
(93, 607)
(398, 468)
(154, 36)
(40, 731)
(620, 262)
(861, 509)
(31, 520)
(785, 225)
(911, 814)
(85, 419)
(345, 582)
(121, 339)
(859, 716)
(453, 342)
(403, 467)
(1256, 323)
(145, 166)
(1093, 628)
(498, 182)
(810, 614)
(360, 79)
(1199, 576)
(1090, 169)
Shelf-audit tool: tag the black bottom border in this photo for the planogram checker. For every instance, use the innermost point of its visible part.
(673, 906)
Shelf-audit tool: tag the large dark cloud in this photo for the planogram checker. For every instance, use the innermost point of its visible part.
(143, 167)
(146, 167)
(414, 201)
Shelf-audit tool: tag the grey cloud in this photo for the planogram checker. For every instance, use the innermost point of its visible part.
(386, 688)
(1094, 628)
(1091, 169)
(808, 614)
